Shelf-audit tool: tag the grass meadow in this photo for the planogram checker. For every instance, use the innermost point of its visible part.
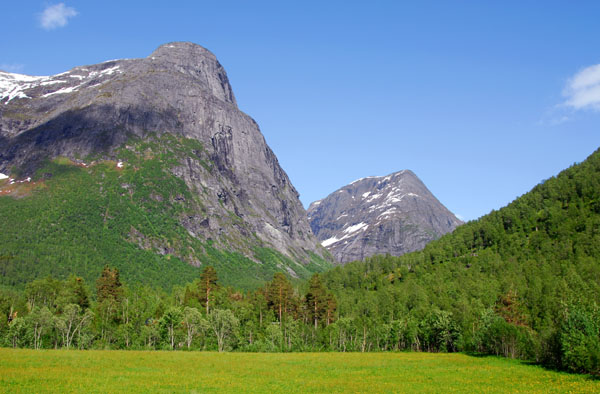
(64, 371)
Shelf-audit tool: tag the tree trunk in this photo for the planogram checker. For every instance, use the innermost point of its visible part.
(364, 343)
(316, 310)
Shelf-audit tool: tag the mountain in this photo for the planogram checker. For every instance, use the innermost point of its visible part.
(159, 151)
(393, 214)
(522, 281)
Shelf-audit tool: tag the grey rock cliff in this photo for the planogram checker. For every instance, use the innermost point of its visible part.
(395, 214)
(181, 89)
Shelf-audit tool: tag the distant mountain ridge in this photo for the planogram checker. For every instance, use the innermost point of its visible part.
(393, 214)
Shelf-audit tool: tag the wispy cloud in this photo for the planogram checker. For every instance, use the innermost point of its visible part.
(11, 67)
(56, 15)
(583, 89)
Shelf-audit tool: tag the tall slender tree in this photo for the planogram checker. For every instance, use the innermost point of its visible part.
(208, 286)
(316, 300)
(109, 294)
(280, 295)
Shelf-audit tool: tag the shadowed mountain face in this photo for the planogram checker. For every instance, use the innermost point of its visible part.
(243, 197)
(395, 214)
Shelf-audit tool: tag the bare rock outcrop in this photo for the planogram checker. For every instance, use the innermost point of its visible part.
(393, 214)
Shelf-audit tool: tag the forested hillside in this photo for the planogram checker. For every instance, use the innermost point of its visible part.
(76, 216)
(523, 281)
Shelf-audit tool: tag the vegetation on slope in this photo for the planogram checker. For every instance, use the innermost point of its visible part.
(74, 218)
(523, 281)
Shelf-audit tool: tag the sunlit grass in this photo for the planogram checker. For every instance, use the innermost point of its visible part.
(63, 371)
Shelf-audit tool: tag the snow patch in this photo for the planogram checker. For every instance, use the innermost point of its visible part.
(357, 227)
(2, 176)
(374, 197)
(330, 241)
(365, 195)
(388, 212)
(348, 233)
(14, 85)
(392, 199)
(62, 91)
(52, 82)
(108, 71)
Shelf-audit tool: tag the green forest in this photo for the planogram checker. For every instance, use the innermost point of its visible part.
(77, 216)
(521, 282)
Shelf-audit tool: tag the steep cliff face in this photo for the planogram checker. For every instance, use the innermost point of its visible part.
(395, 214)
(244, 198)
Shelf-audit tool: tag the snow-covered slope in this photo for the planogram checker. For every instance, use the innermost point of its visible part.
(19, 86)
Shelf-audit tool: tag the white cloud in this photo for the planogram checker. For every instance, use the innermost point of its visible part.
(460, 217)
(56, 16)
(11, 67)
(583, 89)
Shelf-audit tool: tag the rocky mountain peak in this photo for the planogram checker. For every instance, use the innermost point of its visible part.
(182, 90)
(392, 214)
(197, 62)
(181, 51)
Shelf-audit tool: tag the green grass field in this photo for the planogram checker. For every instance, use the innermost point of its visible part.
(194, 372)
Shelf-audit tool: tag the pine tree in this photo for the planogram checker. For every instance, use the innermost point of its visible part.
(316, 299)
(109, 285)
(208, 285)
(330, 308)
(280, 295)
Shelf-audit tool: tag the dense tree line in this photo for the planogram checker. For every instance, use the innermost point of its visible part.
(521, 282)
(202, 315)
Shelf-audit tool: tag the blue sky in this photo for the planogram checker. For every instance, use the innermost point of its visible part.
(482, 100)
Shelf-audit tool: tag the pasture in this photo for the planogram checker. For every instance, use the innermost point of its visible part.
(23, 370)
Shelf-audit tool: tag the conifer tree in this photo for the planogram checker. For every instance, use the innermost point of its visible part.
(208, 285)
(109, 285)
(316, 299)
(280, 295)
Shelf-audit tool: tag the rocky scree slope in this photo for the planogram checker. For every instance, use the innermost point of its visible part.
(240, 198)
(393, 214)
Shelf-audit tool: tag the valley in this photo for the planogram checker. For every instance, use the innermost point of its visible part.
(146, 221)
